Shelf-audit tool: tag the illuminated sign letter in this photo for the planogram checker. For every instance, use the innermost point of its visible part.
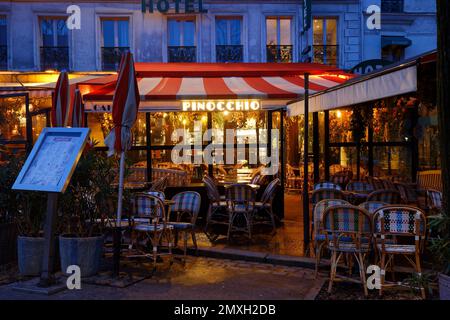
(186, 105)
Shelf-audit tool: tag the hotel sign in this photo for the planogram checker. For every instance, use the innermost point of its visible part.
(221, 105)
(181, 6)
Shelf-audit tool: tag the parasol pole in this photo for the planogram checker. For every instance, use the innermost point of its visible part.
(121, 177)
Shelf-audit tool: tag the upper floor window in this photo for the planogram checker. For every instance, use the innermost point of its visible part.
(115, 41)
(229, 46)
(279, 43)
(325, 41)
(3, 44)
(391, 6)
(54, 43)
(181, 46)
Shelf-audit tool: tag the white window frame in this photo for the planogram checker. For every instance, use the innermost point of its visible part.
(197, 35)
(116, 30)
(244, 31)
(340, 35)
(294, 30)
(99, 16)
(38, 41)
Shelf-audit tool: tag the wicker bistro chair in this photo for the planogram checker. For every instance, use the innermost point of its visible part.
(408, 194)
(327, 185)
(319, 235)
(355, 225)
(359, 186)
(376, 183)
(342, 177)
(394, 222)
(387, 184)
(293, 182)
(372, 206)
(240, 200)
(187, 205)
(323, 194)
(155, 229)
(434, 200)
(217, 209)
(386, 196)
(159, 185)
(265, 205)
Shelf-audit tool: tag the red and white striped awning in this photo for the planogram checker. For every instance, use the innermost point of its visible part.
(265, 82)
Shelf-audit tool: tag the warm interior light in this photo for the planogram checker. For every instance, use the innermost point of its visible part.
(225, 113)
(339, 114)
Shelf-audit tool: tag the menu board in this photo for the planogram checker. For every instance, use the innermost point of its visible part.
(53, 159)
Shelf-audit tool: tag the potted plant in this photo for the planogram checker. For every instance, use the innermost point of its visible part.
(30, 242)
(440, 247)
(9, 169)
(85, 206)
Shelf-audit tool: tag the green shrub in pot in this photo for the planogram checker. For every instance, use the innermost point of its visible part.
(85, 206)
(9, 206)
(440, 247)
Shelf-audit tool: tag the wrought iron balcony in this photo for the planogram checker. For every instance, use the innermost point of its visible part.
(326, 54)
(281, 53)
(56, 58)
(391, 6)
(182, 54)
(3, 57)
(111, 57)
(229, 53)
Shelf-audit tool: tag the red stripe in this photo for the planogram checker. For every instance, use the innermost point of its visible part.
(301, 82)
(119, 100)
(167, 89)
(60, 95)
(271, 91)
(216, 88)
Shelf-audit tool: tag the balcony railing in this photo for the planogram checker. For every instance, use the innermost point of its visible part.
(3, 57)
(326, 54)
(56, 58)
(281, 53)
(111, 57)
(392, 6)
(229, 53)
(182, 54)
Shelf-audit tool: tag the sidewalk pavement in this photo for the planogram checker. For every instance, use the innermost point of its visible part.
(200, 279)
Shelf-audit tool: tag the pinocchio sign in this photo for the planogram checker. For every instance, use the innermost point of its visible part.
(221, 105)
(180, 6)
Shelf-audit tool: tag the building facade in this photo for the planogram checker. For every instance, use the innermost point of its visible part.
(34, 35)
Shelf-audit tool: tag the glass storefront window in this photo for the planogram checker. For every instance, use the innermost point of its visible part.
(164, 125)
(392, 120)
(427, 134)
(102, 123)
(346, 158)
(340, 126)
(12, 119)
(392, 161)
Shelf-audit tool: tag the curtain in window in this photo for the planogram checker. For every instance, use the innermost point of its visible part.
(62, 33)
(189, 33)
(221, 32)
(108, 33)
(47, 33)
(174, 32)
(3, 38)
(235, 31)
(122, 29)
